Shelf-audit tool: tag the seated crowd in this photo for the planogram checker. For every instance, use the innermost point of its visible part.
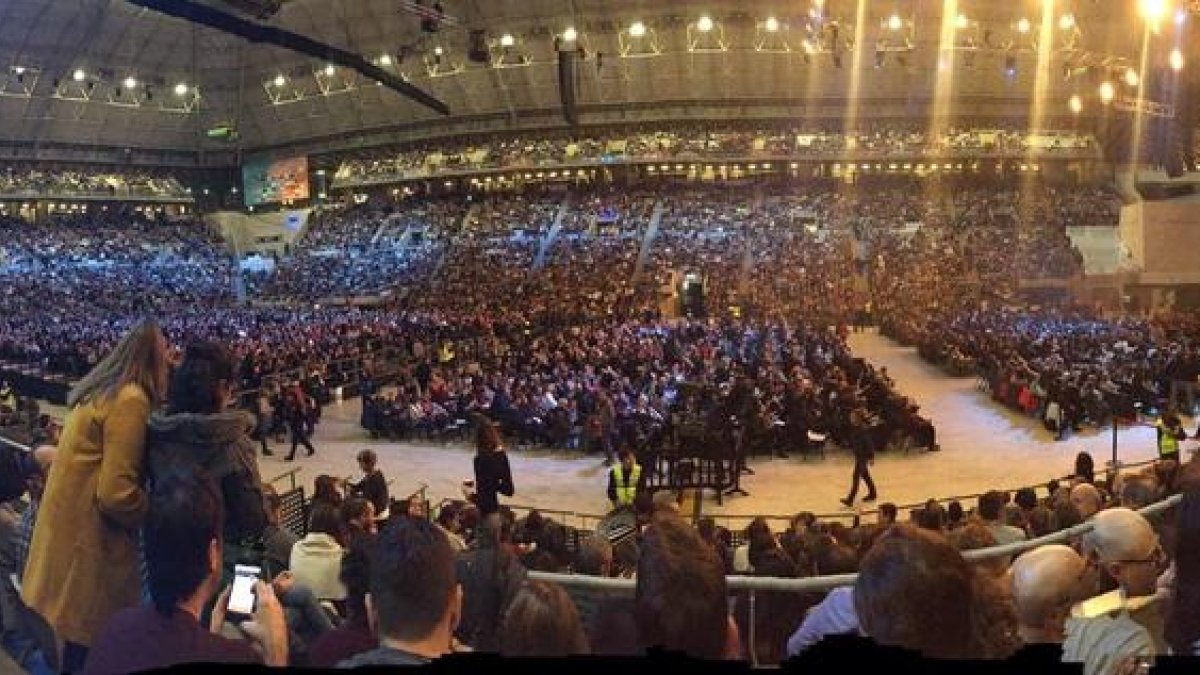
(688, 141)
(377, 582)
(70, 180)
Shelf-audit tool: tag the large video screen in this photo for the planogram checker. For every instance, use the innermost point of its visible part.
(272, 181)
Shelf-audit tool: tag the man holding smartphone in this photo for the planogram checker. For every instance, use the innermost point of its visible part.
(183, 557)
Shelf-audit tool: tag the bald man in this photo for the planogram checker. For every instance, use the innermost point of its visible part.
(1087, 500)
(1124, 545)
(1045, 583)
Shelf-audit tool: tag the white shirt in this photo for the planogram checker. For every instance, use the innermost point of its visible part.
(316, 563)
(835, 615)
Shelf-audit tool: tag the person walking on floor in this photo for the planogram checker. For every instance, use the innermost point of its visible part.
(297, 422)
(864, 455)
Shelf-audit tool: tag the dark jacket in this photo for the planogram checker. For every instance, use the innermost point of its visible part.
(218, 445)
(492, 475)
(374, 489)
(490, 579)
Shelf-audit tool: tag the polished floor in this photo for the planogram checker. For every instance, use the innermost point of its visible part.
(983, 447)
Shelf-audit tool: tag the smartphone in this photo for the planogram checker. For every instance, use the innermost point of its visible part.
(241, 598)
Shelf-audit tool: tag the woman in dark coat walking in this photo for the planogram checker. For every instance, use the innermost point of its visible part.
(493, 475)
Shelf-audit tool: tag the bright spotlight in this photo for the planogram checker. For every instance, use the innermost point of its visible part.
(1131, 77)
(1023, 25)
(1180, 16)
(895, 22)
(1176, 59)
(181, 89)
(569, 34)
(1107, 92)
(79, 75)
(130, 83)
(1076, 104)
(385, 60)
(1153, 10)
(438, 51)
(20, 70)
(507, 40)
(961, 21)
(280, 80)
(705, 24)
(772, 24)
(1067, 22)
(330, 70)
(638, 29)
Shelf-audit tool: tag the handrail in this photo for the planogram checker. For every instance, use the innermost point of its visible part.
(287, 474)
(825, 583)
(15, 445)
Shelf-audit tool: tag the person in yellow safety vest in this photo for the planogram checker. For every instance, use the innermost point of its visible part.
(625, 481)
(446, 353)
(1170, 432)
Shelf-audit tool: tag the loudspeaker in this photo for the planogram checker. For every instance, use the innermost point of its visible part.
(477, 49)
(566, 86)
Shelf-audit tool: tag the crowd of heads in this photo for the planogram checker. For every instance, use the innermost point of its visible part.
(685, 141)
(68, 180)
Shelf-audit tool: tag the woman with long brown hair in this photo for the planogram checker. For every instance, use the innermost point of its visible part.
(83, 559)
(493, 476)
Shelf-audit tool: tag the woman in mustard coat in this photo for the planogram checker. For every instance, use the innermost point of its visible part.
(83, 559)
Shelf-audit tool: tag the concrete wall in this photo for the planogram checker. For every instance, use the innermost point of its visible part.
(1171, 241)
(266, 232)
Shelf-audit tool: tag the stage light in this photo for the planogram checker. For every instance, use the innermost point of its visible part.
(1180, 16)
(808, 47)
(79, 75)
(1176, 59)
(772, 24)
(1067, 22)
(1076, 104)
(1107, 92)
(438, 51)
(507, 40)
(19, 70)
(130, 83)
(961, 21)
(1131, 77)
(705, 24)
(385, 60)
(569, 34)
(1023, 25)
(330, 70)
(1010, 66)
(181, 89)
(280, 80)
(638, 29)
(1153, 10)
(895, 22)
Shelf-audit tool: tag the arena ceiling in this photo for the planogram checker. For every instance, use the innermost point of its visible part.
(65, 64)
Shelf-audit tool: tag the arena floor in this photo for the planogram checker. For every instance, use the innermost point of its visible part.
(983, 446)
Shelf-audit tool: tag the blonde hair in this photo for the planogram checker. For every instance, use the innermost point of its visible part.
(140, 358)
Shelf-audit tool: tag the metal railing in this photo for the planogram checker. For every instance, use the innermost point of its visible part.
(288, 475)
(4, 440)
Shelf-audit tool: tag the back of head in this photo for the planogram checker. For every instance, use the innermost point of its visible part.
(990, 505)
(1087, 499)
(1026, 498)
(1137, 493)
(203, 380)
(1119, 534)
(368, 459)
(680, 597)
(835, 559)
(914, 590)
(326, 519)
(412, 579)
(140, 358)
(1045, 583)
(182, 524)
(541, 621)
(594, 557)
(487, 436)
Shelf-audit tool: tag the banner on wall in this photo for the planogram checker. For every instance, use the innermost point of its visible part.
(273, 181)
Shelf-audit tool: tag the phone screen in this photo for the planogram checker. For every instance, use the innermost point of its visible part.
(241, 598)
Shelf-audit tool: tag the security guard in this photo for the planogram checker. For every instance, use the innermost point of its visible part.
(1170, 432)
(625, 481)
